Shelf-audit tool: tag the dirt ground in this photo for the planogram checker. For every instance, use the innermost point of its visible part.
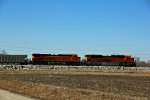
(122, 85)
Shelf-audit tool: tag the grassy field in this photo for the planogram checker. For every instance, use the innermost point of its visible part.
(78, 84)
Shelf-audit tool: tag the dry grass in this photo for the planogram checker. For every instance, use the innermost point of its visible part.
(46, 92)
(77, 84)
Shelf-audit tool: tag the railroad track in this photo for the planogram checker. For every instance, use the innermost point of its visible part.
(18, 67)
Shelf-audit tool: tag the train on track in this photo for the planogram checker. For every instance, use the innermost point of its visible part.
(12, 59)
(70, 59)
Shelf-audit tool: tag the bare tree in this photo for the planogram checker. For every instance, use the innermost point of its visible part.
(4, 52)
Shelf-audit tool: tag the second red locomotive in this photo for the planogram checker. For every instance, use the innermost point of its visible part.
(113, 60)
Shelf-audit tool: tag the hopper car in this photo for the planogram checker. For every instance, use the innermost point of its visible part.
(12, 59)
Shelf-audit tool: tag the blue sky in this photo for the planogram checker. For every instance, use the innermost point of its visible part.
(75, 26)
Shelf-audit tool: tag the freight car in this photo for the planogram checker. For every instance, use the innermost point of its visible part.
(60, 59)
(113, 60)
(12, 59)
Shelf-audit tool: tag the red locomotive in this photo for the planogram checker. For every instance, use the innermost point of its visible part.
(113, 60)
(60, 59)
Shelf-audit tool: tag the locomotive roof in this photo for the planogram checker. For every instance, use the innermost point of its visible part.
(93, 55)
(118, 55)
(53, 54)
(98, 56)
